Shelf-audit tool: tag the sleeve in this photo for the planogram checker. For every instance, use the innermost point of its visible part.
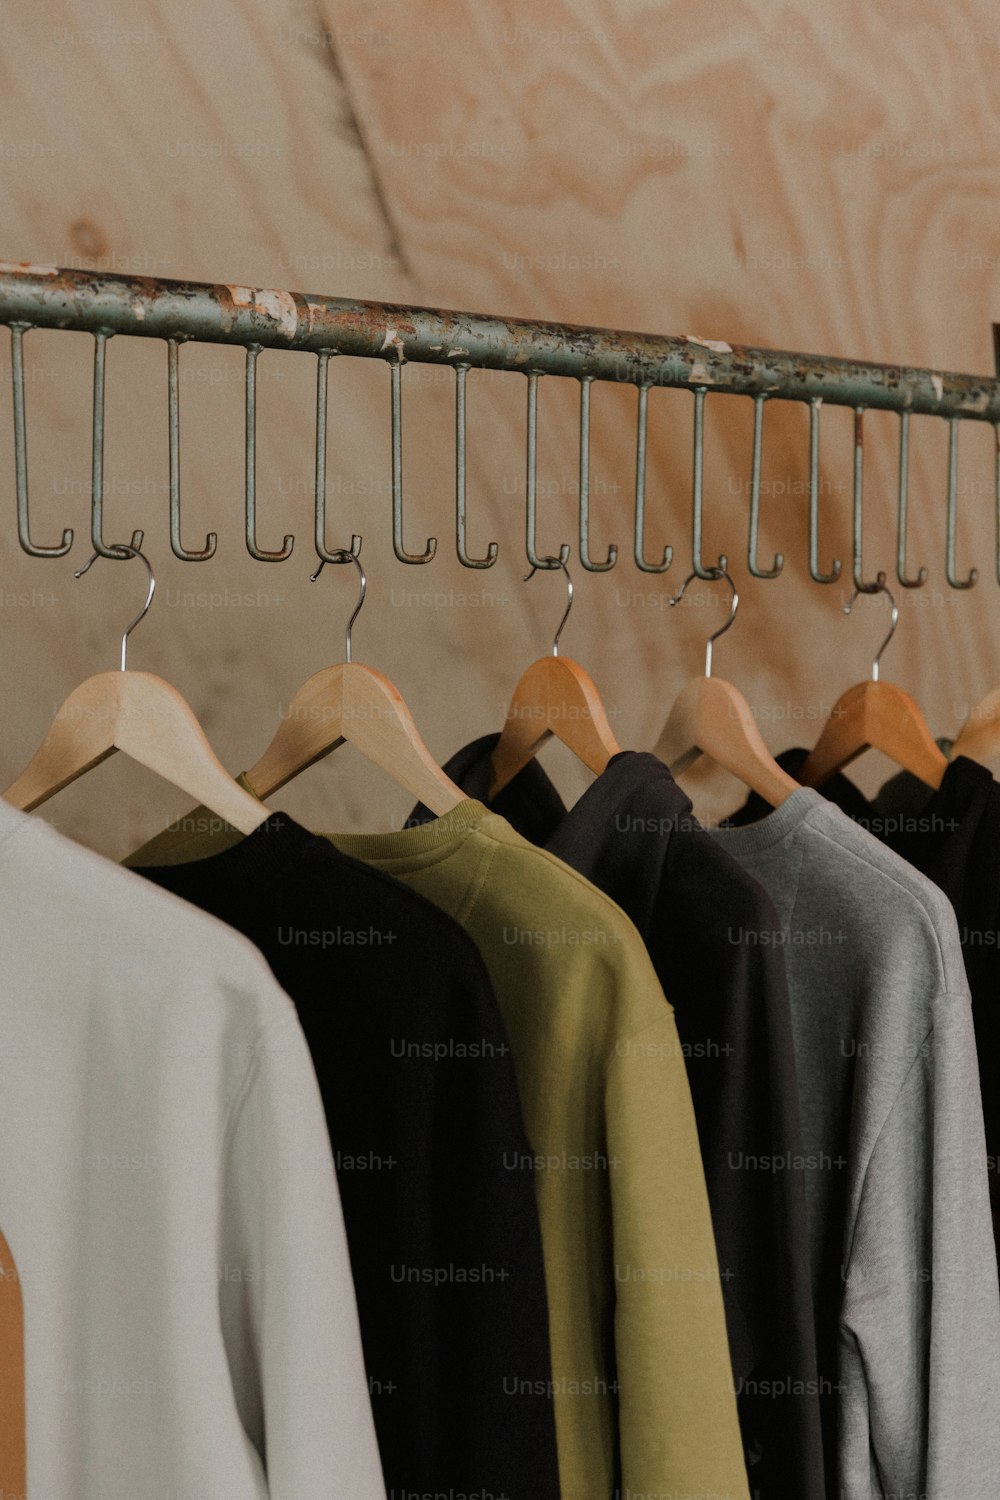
(920, 1321)
(286, 1297)
(678, 1426)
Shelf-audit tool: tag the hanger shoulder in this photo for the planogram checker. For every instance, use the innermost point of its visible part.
(148, 720)
(712, 717)
(877, 716)
(356, 703)
(81, 735)
(555, 696)
(379, 723)
(979, 739)
(310, 729)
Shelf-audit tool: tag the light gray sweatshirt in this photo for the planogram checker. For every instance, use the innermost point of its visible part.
(903, 1262)
(168, 1196)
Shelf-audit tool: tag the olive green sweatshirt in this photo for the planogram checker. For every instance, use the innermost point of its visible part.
(641, 1376)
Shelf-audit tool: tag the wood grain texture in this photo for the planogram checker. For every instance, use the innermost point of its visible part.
(753, 171)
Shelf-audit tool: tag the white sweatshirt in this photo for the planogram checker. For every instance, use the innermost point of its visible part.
(168, 1195)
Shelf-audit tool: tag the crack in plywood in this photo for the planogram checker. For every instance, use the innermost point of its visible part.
(354, 126)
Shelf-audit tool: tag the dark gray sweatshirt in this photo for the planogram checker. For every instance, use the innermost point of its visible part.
(902, 1258)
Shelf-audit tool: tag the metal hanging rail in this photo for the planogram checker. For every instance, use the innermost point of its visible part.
(180, 311)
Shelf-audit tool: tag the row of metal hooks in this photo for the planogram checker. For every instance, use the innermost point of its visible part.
(700, 568)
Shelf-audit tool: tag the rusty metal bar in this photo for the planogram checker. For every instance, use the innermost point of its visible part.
(46, 296)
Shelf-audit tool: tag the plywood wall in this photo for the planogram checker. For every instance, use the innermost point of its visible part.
(786, 175)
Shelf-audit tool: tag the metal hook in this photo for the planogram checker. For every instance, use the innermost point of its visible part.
(17, 331)
(904, 485)
(319, 496)
(697, 492)
(344, 557)
(460, 472)
(588, 562)
(174, 451)
(956, 583)
(555, 562)
(860, 584)
(638, 550)
(119, 551)
(878, 587)
(395, 370)
(815, 572)
(531, 487)
(250, 514)
(734, 605)
(98, 543)
(758, 443)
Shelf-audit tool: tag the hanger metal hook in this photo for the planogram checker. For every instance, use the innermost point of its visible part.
(122, 550)
(555, 562)
(878, 587)
(734, 604)
(345, 555)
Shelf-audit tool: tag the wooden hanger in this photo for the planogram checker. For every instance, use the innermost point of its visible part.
(555, 696)
(357, 704)
(979, 739)
(875, 715)
(712, 717)
(145, 718)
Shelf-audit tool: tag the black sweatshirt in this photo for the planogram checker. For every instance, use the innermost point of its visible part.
(707, 925)
(424, 1119)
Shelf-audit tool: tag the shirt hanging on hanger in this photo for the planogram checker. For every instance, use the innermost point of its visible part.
(169, 1200)
(952, 836)
(904, 1274)
(631, 1269)
(634, 835)
(433, 1163)
(640, 1369)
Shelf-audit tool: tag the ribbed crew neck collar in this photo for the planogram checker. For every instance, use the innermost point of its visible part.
(753, 837)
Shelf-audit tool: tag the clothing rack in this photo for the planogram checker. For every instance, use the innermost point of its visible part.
(177, 312)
